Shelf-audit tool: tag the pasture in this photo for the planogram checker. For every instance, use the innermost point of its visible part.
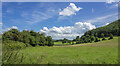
(103, 52)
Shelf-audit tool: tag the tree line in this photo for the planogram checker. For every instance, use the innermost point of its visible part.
(35, 38)
(28, 37)
(91, 38)
(94, 35)
(86, 39)
(110, 30)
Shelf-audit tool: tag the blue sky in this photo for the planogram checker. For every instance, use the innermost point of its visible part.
(53, 15)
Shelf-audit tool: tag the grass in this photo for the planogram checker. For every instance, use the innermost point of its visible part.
(60, 44)
(104, 52)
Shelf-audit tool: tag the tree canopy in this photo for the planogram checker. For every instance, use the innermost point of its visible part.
(28, 37)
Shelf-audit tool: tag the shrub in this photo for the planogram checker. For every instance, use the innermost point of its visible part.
(13, 45)
(111, 37)
(103, 38)
(97, 39)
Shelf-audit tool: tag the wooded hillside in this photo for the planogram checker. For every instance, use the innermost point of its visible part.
(112, 28)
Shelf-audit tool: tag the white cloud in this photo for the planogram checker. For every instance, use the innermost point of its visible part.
(70, 10)
(114, 6)
(13, 27)
(0, 23)
(68, 32)
(110, 1)
(107, 23)
(111, 4)
(37, 16)
(103, 19)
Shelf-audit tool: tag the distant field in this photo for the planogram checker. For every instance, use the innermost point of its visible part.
(61, 44)
(104, 52)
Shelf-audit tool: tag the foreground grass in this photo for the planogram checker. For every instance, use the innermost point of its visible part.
(104, 52)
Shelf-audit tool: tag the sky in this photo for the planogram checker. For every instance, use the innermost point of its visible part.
(58, 19)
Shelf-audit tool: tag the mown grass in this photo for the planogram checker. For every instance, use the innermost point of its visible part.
(104, 52)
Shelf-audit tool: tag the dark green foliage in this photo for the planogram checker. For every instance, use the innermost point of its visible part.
(89, 40)
(74, 39)
(72, 43)
(27, 37)
(97, 39)
(81, 41)
(69, 41)
(13, 45)
(64, 40)
(102, 35)
(96, 34)
(11, 35)
(92, 38)
(77, 42)
(32, 40)
(49, 41)
(112, 28)
(77, 38)
(105, 31)
(87, 36)
(111, 37)
(86, 39)
(103, 38)
(42, 40)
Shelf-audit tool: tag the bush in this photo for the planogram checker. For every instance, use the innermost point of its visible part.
(89, 40)
(13, 45)
(27, 37)
(97, 39)
(103, 38)
(111, 37)
(77, 42)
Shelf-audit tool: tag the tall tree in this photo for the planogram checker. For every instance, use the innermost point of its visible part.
(77, 38)
(49, 41)
(32, 40)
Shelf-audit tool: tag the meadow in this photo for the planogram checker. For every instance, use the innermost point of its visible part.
(103, 52)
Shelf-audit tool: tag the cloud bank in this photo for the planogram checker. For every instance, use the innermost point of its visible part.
(0, 23)
(110, 1)
(70, 10)
(13, 27)
(68, 32)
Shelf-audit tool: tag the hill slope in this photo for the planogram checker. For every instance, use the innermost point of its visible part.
(112, 28)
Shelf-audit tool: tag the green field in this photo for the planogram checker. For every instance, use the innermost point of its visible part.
(60, 44)
(103, 52)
